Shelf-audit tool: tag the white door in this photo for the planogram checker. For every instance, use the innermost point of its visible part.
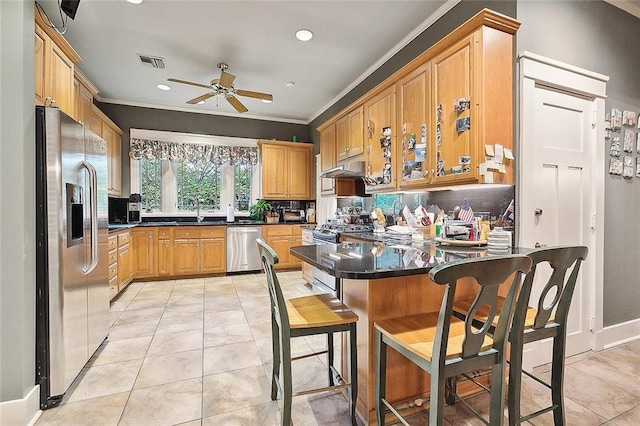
(556, 205)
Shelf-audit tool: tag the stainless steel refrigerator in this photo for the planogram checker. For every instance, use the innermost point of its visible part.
(72, 293)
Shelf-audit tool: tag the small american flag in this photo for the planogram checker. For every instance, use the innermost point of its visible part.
(509, 213)
(466, 212)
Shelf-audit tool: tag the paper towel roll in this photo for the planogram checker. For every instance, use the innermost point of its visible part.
(230, 213)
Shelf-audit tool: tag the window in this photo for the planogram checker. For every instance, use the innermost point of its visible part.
(151, 184)
(242, 186)
(198, 181)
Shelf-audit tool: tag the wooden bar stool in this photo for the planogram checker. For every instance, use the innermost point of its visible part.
(306, 316)
(445, 346)
(547, 320)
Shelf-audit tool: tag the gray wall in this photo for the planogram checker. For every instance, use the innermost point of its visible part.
(127, 117)
(453, 19)
(17, 200)
(602, 38)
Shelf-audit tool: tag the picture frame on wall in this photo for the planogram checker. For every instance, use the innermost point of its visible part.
(628, 118)
(616, 119)
(628, 140)
(615, 166)
(628, 167)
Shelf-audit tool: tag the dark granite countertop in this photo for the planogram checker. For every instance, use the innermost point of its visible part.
(241, 222)
(368, 260)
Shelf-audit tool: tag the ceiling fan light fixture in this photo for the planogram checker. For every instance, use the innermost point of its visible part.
(134, 1)
(289, 84)
(267, 101)
(200, 103)
(163, 87)
(304, 35)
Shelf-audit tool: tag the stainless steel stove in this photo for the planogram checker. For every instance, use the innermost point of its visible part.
(329, 233)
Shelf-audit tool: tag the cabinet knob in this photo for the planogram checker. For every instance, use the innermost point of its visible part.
(149, 236)
(432, 171)
(425, 173)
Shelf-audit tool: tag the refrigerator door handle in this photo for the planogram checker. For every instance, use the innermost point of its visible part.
(93, 204)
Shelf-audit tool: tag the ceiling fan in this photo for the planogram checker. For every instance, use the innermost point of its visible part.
(224, 86)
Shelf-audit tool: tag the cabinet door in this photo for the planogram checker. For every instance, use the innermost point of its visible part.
(381, 162)
(294, 261)
(143, 243)
(328, 148)
(356, 126)
(300, 172)
(281, 245)
(61, 89)
(41, 40)
(165, 257)
(274, 171)
(186, 256)
(212, 255)
(413, 128)
(452, 78)
(124, 266)
(342, 138)
(96, 127)
(84, 103)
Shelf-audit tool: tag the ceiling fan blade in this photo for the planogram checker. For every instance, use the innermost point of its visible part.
(191, 83)
(256, 95)
(236, 104)
(226, 79)
(201, 98)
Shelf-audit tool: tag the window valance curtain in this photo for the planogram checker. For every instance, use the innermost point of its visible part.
(180, 152)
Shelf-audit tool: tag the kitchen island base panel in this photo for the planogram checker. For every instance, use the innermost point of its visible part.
(386, 298)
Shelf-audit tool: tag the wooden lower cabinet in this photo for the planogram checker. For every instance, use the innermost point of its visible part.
(213, 255)
(143, 242)
(281, 238)
(120, 262)
(164, 252)
(186, 256)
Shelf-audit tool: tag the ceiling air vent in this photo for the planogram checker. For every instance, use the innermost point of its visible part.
(152, 61)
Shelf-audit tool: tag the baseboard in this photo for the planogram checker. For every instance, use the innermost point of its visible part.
(21, 412)
(617, 334)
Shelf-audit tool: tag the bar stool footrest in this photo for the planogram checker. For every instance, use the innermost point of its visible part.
(538, 413)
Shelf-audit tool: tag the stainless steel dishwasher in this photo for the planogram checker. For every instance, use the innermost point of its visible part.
(242, 248)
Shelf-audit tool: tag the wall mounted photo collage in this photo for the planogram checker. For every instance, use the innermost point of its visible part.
(621, 128)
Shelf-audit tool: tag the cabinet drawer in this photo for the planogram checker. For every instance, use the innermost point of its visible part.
(123, 238)
(113, 270)
(274, 230)
(164, 233)
(113, 242)
(113, 287)
(213, 232)
(113, 256)
(186, 233)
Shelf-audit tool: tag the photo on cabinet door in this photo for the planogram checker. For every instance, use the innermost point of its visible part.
(411, 142)
(614, 151)
(423, 133)
(615, 166)
(628, 140)
(637, 166)
(421, 152)
(461, 104)
(463, 124)
(628, 118)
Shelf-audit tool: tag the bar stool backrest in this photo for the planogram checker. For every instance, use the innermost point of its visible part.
(269, 258)
(560, 259)
(489, 273)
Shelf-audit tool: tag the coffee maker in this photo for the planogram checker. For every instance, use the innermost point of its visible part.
(133, 207)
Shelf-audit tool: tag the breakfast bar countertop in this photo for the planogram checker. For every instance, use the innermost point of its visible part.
(366, 260)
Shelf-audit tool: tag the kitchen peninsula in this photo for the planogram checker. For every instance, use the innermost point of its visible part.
(380, 282)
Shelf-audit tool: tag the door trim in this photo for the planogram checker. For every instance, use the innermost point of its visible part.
(590, 85)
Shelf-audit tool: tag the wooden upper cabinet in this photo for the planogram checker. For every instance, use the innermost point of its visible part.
(55, 61)
(349, 136)
(380, 114)
(287, 170)
(453, 77)
(102, 126)
(83, 98)
(474, 62)
(414, 129)
(328, 147)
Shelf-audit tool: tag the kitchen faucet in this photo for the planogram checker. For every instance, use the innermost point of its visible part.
(198, 217)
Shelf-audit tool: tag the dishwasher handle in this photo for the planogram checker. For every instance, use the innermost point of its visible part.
(243, 230)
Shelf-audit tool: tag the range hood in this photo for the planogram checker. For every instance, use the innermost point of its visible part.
(352, 170)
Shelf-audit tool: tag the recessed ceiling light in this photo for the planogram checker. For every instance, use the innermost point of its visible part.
(290, 84)
(135, 1)
(304, 35)
(201, 102)
(163, 87)
(267, 101)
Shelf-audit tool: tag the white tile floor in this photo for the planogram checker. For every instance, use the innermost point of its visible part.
(198, 352)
